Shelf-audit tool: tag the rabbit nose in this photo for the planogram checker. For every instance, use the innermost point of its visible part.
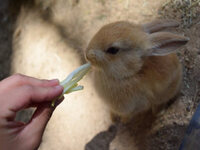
(91, 55)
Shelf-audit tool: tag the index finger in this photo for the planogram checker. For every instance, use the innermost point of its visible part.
(27, 95)
(19, 80)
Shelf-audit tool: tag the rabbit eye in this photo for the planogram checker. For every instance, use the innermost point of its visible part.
(112, 50)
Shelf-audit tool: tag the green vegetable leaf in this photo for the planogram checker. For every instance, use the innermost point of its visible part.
(70, 83)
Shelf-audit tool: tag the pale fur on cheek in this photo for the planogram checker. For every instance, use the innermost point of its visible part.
(119, 70)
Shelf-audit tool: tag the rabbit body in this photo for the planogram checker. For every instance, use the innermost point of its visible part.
(135, 69)
(157, 82)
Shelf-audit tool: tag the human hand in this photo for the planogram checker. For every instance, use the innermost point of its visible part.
(19, 92)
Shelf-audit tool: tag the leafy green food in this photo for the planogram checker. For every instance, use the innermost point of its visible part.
(70, 83)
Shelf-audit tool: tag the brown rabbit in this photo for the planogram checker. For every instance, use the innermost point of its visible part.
(135, 66)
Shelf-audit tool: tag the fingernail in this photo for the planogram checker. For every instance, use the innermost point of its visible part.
(58, 88)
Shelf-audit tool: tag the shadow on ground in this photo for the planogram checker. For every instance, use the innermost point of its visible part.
(6, 31)
(102, 140)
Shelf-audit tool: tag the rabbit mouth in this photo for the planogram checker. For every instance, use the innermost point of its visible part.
(92, 60)
(95, 64)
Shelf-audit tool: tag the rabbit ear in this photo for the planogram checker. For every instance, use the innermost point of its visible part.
(163, 43)
(159, 25)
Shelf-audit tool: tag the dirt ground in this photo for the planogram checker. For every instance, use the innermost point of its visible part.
(46, 39)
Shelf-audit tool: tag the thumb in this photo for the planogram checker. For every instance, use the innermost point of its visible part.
(40, 119)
